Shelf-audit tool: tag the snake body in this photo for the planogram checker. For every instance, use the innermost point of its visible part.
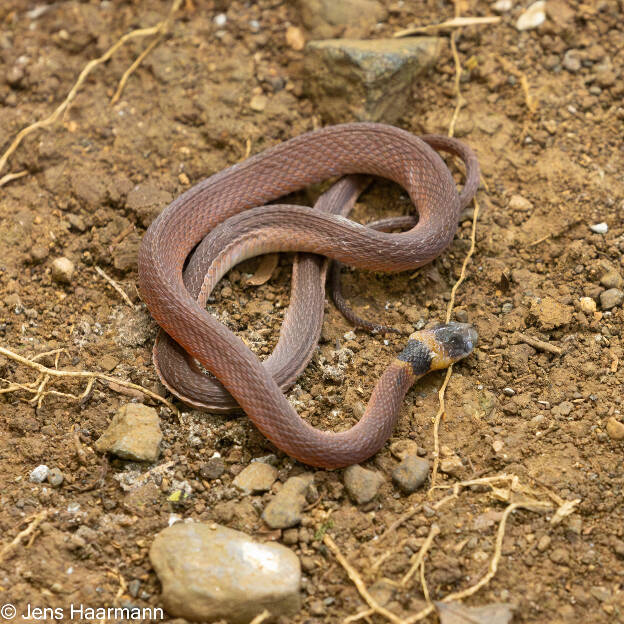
(228, 213)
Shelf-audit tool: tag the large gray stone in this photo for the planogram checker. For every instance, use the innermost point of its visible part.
(209, 572)
(352, 79)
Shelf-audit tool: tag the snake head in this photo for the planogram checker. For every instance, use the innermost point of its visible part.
(452, 342)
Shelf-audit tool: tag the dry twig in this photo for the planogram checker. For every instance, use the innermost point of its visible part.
(37, 388)
(540, 345)
(456, 22)
(29, 530)
(261, 617)
(115, 285)
(88, 68)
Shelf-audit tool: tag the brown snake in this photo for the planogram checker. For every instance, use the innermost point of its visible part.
(222, 211)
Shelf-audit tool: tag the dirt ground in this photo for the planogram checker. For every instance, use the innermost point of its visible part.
(549, 134)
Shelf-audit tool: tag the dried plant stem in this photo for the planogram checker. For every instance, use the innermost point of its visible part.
(30, 529)
(88, 68)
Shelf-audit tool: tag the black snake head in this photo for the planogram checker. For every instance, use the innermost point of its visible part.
(457, 340)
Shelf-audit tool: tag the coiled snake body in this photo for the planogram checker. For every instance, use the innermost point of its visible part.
(228, 212)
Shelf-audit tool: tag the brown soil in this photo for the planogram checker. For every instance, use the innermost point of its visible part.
(184, 115)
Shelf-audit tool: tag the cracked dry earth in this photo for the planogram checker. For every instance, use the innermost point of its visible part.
(553, 167)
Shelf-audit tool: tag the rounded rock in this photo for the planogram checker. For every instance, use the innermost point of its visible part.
(361, 484)
(284, 511)
(611, 298)
(39, 474)
(411, 473)
(55, 477)
(209, 572)
(62, 270)
(587, 305)
(255, 478)
(615, 429)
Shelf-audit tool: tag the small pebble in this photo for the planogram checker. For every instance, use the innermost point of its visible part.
(411, 473)
(55, 477)
(519, 203)
(587, 305)
(258, 103)
(15, 75)
(362, 484)
(543, 543)
(255, 478)
(38, 253)
(572, 61)
(599, 228)
(498, 446)
(133, 587)
(213, 468)
(611, 298)
(285, 510)
(560, 556)
(39, 474)
(615, 429)
(220, 20)
(452, 466)
(509, 391)
(612, 279)
(533, 17)
(502, 6)
(62, 270)
(295, 38)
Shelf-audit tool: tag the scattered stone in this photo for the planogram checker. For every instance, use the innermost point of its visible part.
(290, 537)
(38, 253)
(209, 572)
(615, 429)
(77, 222)
(533, 17)
(213, 468)
(599, 228)
(509, 392)
(366, 80)
(543, 543)
(502, 6)
(220, 20)
(404, 447)
(587, 305)
(498, 446)
(611, 298)
(549, 313)
(455, 612)
(560, 556)
(39, 474)
(411, 473)
(134, 434)
(62, 270)
(564, 408)
(255, 478)
(361, 484)
(611, 279)
(295, 38)
(147, 202)
(325, 18)
(618, 547)
(452, 466)
(14, 76)
(55, 477)
(284, 511)
(572, 62)
(519, 203)
(258, 103)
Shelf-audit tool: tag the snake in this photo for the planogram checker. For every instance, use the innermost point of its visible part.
(227, 218)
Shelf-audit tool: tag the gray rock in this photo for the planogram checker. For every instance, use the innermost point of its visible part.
(39, 474)
(572, 60)
(62, 270)
(325, 18)
(134, 433)
(209, 572)
(411, 473)
(362, 484)
(257, 477)
(366, 80)
(55, 477)
(213, 468)
(611, 279)
(284, 511)
(611, 298)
